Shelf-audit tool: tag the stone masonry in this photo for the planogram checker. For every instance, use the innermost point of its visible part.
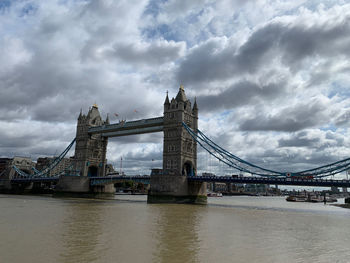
(90, 150)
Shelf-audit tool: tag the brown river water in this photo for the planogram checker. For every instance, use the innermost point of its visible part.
(127, 229)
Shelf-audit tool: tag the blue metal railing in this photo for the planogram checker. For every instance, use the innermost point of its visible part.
(45, 171)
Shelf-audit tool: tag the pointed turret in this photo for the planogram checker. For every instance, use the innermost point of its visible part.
(81, 114)
(166, 102)
(181, 94)
(195, 107)
(107, 119)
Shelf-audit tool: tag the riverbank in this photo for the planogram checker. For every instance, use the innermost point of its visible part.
(343, 205)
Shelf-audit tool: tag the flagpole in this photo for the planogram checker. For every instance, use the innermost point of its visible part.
(121, 165)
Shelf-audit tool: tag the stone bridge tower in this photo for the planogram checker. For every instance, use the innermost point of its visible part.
(180, 149)
(90, 150)
(179, 156)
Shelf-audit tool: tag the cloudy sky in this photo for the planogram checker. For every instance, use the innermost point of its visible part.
(272, 78)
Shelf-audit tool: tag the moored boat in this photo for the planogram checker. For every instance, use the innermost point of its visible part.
(213, 194)
(295, 198)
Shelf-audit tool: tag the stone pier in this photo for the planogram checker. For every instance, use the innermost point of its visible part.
(79, 186)
(176, 189)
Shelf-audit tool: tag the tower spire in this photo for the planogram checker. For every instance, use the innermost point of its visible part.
(81, 113)
(181, 94)
(166, 99)
(195, 107)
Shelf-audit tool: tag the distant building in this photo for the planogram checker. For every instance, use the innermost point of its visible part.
(109, 169)
(335, 190)
(25, 164)
(4, 164)
(256, 188)
(44, 162)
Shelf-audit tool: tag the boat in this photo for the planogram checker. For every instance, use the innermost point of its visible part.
(212, 194)
(296, 198)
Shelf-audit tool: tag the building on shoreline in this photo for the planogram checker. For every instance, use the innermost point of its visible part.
(23, 163)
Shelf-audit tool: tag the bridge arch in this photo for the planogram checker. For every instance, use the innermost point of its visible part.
(188, 169)
(92, 171)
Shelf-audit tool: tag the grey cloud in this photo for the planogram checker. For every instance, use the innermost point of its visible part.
(134, 140)
(298, 142)
(148, 54)
(343, 119)
(241, 93)
(293, 43)
(290, 119)
(207, 63)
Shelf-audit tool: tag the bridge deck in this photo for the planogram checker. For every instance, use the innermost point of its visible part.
(222, 179)
(129, 128)
(273, 181)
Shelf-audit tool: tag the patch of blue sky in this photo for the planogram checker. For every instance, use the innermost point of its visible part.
(314, 4)
(339, 89)
(329, 127)
(163, 31)
(65, 2)
(5, 4)
(225, 114)
(167, 31)
(28, 9)
(153, 8)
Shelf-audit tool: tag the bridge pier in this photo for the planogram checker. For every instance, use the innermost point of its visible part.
(79, 186)
(179, 156)
(176, 189)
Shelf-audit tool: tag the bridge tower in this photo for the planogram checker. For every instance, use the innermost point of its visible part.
(89, 159)
(179, 155)
(90, 150)
(179, 148)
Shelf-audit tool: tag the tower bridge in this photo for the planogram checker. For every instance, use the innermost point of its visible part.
(179, 152)
(178, 181)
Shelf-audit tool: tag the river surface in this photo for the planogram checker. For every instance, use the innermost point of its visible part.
(127, 229)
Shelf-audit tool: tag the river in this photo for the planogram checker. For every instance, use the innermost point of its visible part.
(127, 229)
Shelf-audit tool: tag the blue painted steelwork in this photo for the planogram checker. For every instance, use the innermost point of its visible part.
(226, 157)
(45, 172)
(222, 179)
(36, 171)
(272, 180)
(243, 166)
(328, 170)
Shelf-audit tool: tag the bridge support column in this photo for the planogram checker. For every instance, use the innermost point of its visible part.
(79, 186)
(179, 156)
(176, 189)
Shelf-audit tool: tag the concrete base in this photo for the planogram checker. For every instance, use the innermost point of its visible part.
(73, 184)
(5, 186)
(176, 189)
(79, 186)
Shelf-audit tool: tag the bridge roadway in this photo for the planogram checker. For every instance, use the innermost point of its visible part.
(221, 179)
(273, 181)
(236, 180)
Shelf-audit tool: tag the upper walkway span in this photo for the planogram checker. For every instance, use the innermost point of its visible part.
(129, 128)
